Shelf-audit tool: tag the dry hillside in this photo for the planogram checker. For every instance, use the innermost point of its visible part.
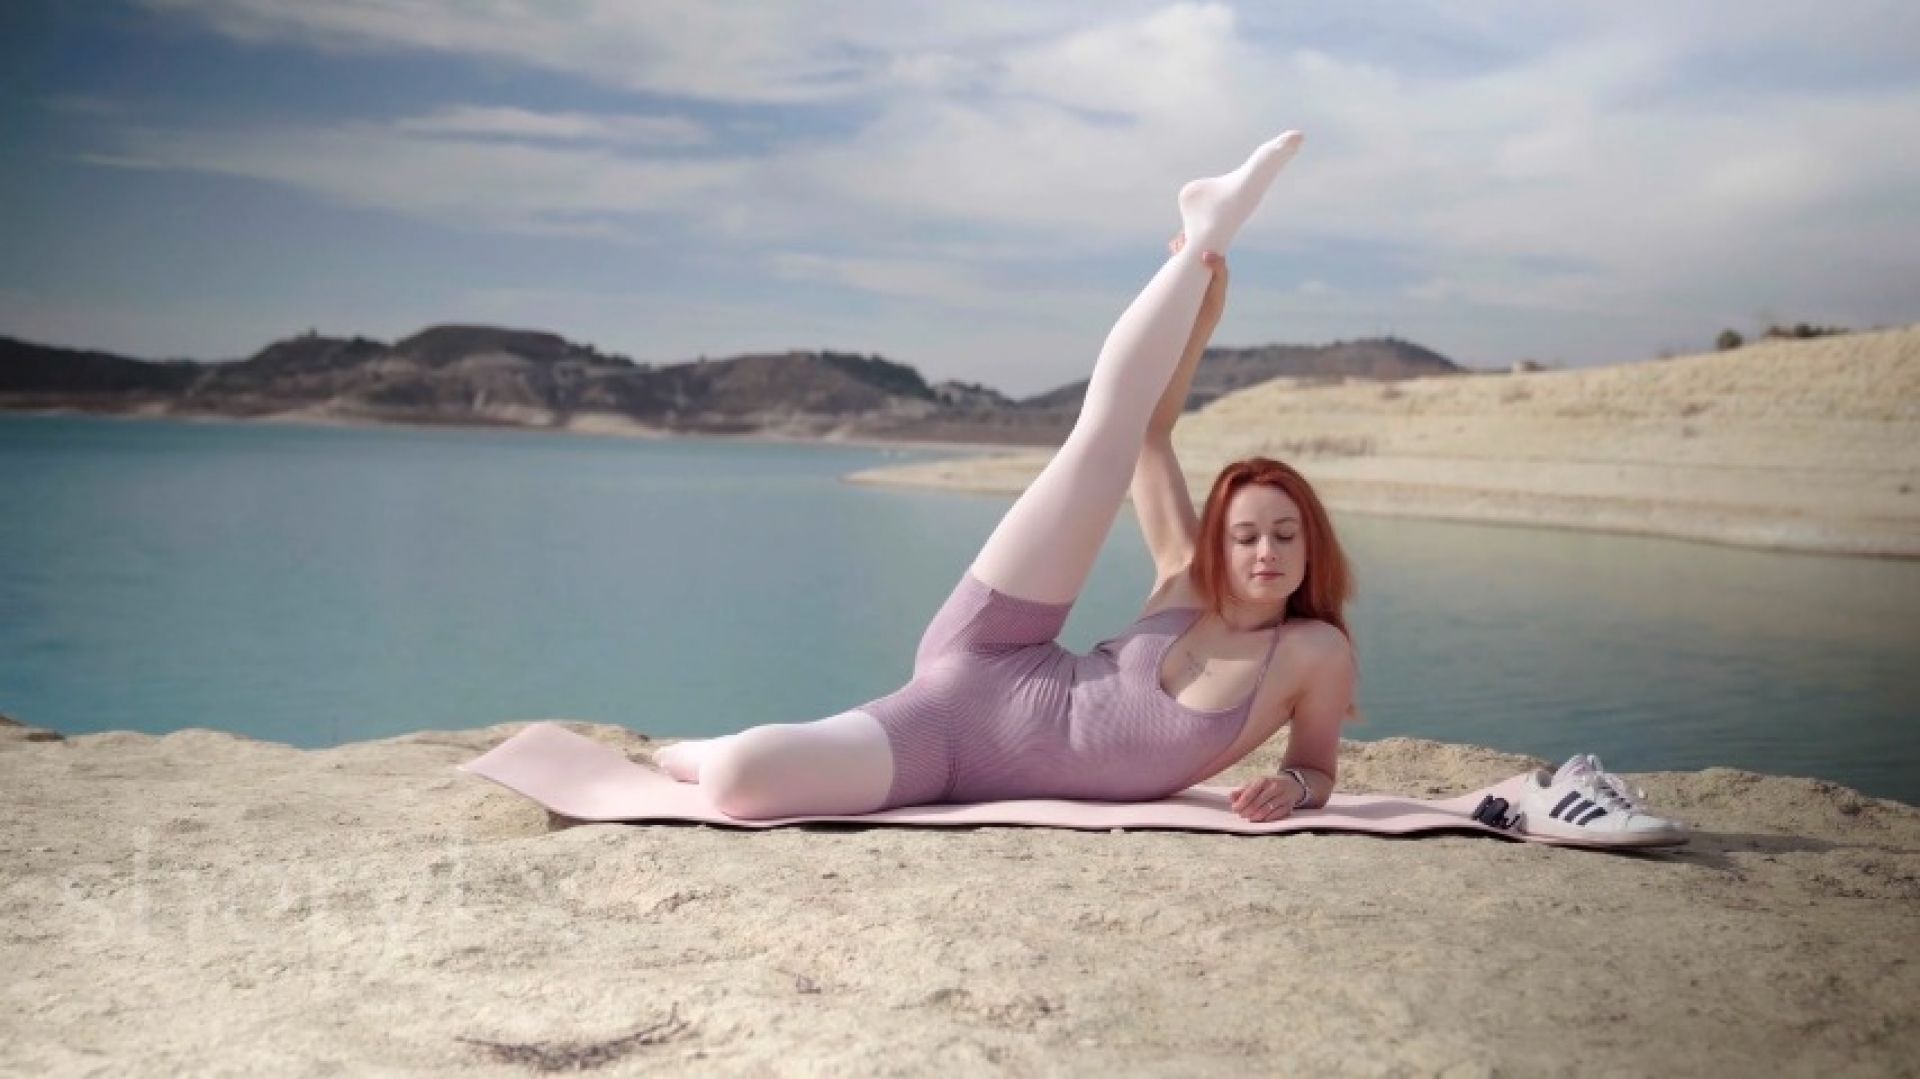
(1805, 445)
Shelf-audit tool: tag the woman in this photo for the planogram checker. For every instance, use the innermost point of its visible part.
(1241, 635)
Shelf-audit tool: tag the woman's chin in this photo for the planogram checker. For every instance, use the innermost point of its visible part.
(1267, 590)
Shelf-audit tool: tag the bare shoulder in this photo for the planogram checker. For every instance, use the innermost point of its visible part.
(1317, 650)
(1317, 639)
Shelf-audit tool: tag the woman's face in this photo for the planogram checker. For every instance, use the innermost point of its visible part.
(1266, 547)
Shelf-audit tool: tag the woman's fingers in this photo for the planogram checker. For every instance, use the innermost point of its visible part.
(1265, 802)
(1217, 265)
(1270, 802)
(1213, 260)
(1258, 800)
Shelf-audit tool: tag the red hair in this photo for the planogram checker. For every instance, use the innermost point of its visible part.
(1329, 584)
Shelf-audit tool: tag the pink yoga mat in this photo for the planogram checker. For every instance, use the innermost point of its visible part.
(580, 778)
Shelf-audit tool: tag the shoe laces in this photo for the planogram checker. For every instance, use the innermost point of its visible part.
(1612, 791)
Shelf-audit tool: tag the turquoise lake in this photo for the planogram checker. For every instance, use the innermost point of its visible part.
(316, 585)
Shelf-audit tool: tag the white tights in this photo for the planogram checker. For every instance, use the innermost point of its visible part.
(1042, 549)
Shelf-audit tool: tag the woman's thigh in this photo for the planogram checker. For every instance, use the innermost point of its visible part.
(1045, 545)
(977, 617)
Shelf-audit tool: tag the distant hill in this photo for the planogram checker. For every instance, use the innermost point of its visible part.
(467, 374)
(30, 368)
(1221, 371)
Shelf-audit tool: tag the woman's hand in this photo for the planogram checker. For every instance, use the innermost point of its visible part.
(1267, 798)
(1215, 300)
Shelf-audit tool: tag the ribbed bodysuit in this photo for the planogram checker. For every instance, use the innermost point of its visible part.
(997, 709)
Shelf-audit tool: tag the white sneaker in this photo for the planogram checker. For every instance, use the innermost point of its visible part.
(1583, 803)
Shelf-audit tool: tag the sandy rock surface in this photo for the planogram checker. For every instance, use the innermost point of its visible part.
(210, 904)
(1795, 445)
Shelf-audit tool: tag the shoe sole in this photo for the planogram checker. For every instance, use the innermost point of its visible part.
(1572, 835)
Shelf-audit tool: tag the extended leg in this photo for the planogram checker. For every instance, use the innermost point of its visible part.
(840, 764)
(1045, 546)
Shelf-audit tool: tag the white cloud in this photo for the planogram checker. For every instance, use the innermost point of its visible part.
(943, 282)
(475, 183)
(1177, 64)
(1586, 165)
(474, 121)
(767, 51)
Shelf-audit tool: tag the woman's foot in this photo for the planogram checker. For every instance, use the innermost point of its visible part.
(680, 760)
(1213, 209)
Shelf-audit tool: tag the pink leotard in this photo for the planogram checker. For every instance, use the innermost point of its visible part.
(997, 709)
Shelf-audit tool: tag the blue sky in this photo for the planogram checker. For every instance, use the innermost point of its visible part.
(973, 188)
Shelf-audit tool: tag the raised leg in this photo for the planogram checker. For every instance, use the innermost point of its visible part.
(840, 764)
(1045, 546)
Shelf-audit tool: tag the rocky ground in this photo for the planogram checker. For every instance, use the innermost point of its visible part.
(205, 903)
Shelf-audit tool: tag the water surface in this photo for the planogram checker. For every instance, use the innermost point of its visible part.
(316, 585)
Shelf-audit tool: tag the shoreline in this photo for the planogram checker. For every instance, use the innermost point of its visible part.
(1781, 532)
(1799, 446)
(1809, 447)
(633, 432)
(1003, 470)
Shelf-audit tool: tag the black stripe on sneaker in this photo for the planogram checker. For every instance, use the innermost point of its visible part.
(1593, 816)
(1560, 812)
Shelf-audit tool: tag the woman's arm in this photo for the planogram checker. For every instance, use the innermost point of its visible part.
(1325, 656)
(1160, 496)
(1173, 400)
(1313, 746)
(1165, 509)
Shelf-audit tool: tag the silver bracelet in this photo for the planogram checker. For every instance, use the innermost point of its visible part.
(1306, 789)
